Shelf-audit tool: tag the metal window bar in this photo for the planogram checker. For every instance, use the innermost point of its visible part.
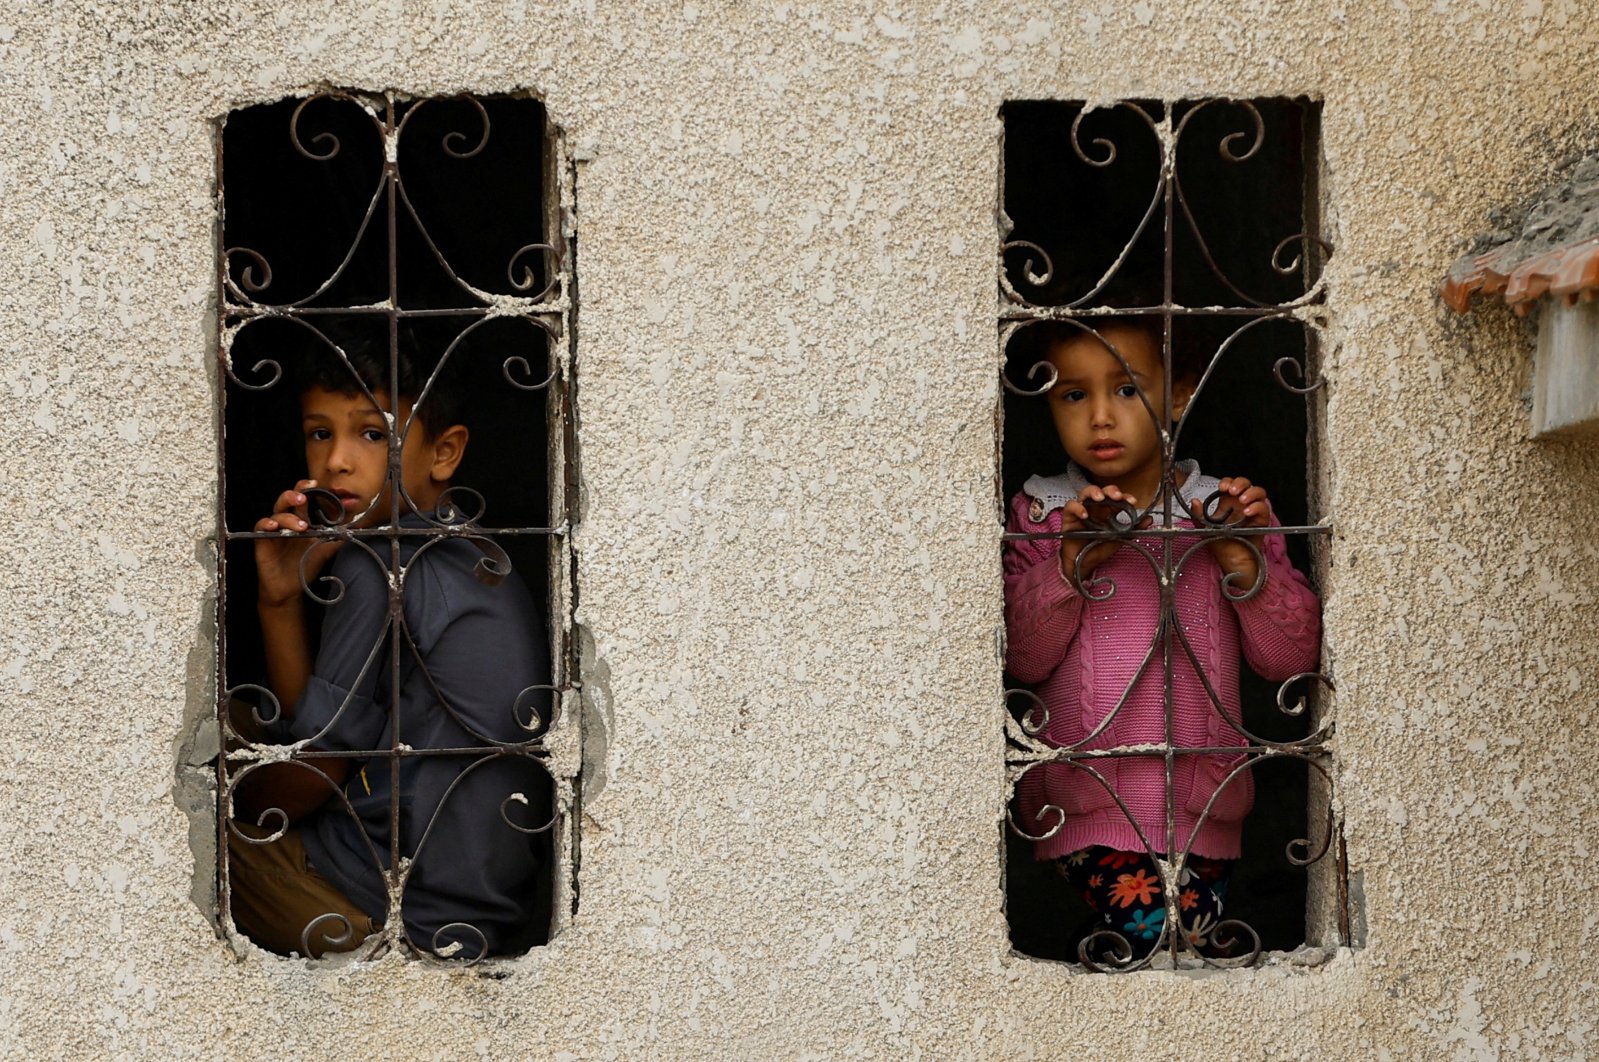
(1025, 269)
(540, 294)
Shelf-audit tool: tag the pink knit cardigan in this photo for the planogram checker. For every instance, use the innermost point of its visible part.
(1084, 654)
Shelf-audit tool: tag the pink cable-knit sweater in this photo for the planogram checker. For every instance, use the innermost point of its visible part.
(1084, 654)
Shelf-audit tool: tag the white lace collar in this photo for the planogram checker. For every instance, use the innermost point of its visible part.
(1051, 492)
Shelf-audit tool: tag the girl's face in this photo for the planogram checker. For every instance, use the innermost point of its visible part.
(1098, 414)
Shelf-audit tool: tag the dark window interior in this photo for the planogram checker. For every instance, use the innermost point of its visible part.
(302, 215)
(303, 219)
(1244, 423)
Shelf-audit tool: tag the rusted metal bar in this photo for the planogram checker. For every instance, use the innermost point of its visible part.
(244, 280)
(1165, 545)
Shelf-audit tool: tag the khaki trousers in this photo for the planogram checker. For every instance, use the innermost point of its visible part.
(275, 895)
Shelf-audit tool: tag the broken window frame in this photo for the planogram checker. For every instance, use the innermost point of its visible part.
(1307, 695)
(542, 293)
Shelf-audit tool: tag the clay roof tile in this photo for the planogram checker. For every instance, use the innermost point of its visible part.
(1556, 253)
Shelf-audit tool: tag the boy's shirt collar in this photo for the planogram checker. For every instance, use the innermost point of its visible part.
(427, 518)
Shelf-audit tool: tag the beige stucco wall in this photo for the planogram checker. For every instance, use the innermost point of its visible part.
(788, 556)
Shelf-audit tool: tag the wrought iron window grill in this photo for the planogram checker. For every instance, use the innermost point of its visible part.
(1033, 291)
(534, 297)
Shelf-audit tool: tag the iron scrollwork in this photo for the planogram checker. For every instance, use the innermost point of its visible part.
(1029, 296)
(537, 297)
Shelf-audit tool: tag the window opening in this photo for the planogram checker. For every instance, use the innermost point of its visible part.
(389, 269)
(1191, 224)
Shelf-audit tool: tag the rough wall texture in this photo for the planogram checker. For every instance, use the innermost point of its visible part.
(788, 374)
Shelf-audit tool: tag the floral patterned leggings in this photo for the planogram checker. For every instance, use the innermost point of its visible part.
(1124, 889)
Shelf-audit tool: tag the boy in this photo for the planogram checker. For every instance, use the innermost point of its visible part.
(448, 662)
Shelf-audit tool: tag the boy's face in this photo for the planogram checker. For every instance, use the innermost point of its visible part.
(1098, 414)
(347, 452)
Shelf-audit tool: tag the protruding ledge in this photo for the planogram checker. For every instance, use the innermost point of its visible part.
(1555, 254)
(1553, 262)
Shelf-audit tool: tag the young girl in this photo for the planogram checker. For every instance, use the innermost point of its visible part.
(1095, 654)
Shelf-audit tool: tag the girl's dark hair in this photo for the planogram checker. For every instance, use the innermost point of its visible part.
(368, 354)
(1031, 442)
(1034, 343)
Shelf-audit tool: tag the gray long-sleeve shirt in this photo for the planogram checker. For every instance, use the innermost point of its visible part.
(482, 647)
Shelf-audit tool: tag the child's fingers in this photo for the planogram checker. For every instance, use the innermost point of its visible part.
(1253, 505)
(295, 499)
(289, 521)
(292, 503)
(1095, 493)
(286, 517)
(281, 522)
(1110, 492)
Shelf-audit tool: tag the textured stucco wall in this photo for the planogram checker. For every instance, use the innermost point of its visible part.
(787, 367)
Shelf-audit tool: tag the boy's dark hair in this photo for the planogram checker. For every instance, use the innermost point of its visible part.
(368, 354)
